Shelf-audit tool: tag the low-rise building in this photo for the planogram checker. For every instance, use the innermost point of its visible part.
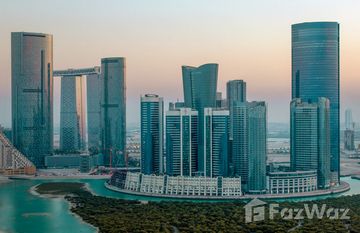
(180, 185)
(292, 182)
(83, 162)
(152, 184)
(196, 186)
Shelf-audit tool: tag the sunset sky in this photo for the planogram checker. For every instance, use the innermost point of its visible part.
(250, 40)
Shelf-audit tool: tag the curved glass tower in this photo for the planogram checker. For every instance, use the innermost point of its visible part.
(315, 73)
(200, 85)
(32, 94)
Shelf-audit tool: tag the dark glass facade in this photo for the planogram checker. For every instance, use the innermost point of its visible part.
(93, 110)
(32, 94)
(181, 142)
(216, 132)
(310, 138)
(315, 73)
(113, 110)
(200, 85)
(152, 134)
(257, 146)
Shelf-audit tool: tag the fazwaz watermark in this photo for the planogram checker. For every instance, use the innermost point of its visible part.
(255, 211)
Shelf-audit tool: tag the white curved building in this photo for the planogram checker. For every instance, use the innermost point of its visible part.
(292, 182)
(182, 185)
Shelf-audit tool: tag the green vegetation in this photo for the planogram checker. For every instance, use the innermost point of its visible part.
(116, 215)
(61, 188)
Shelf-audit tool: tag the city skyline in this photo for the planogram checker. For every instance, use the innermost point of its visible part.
(183, 116)
(229, 46)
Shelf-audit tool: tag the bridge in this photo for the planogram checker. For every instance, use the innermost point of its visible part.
(12, 161)
(77, 72)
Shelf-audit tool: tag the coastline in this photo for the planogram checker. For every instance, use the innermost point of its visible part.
(344, 187)
(33, 191)
(70, 205)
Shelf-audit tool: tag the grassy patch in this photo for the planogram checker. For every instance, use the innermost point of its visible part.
(60, 188)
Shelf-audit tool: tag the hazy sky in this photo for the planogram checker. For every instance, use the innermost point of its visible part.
(249, 39)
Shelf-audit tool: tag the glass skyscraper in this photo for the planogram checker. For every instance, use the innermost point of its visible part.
(215, 146)
(93, 110)
(257, 146)
(32, 94)
(310, 138)
(72, 114)
(315, 73)
(152, 134)
(181, 142)
(235, 93)
(240, 141)
(249, 146)
(200, 85)
(113, 110)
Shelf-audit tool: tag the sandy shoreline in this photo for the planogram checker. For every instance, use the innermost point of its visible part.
(33, 191)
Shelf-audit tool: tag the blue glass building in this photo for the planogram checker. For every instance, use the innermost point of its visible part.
(310, 138)
(152, 134)
(93, 83)
(235, 93)
(240, 141)
(249, 147)
(257, 146)
(200, 85)
(215, 146)
(181, 142)
(315, 73)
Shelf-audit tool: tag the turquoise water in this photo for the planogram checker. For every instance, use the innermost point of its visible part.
(22, 212)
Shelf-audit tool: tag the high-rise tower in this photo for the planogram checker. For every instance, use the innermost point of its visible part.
(200, 85)
(240, 141)
(93, 84)
(315, 73)
(152, 134)
(32, 94)
(216, 132)
(236, 94)
(310, 138)
(72, 114)
(181, 142)
(257, 146)
(113, 110)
